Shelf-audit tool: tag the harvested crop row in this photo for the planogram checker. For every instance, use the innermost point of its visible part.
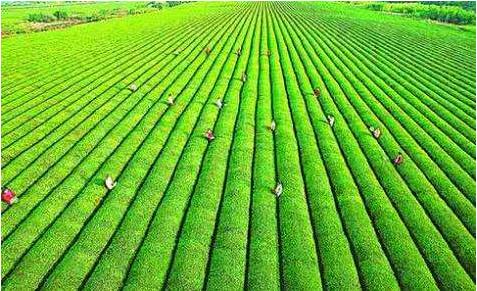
(230, 237)
(402, 45)
(79, 99)
(459, 279)
(139, 139)
(199, 160)
(86, 145)
(86, 248)
(55, 140)
(200, 217)
(436, 83)
(462, 180)
(255, 145)
(65, 58)
(405, 258)
(123, 149)
(263, 261)
(159, 178)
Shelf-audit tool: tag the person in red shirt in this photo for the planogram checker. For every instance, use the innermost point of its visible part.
(8, 196)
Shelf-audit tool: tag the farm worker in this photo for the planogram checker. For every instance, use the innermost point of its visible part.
(8, 196)
(239, 51)
(267, 53)
(110, 183)
(219, 103)
(208, 50)
(331, 120)
(316, 92)
(398, 159)
(209, 135)
(278, 189)
(244, 77)
(273, 125)
(375, 131)
(170, 100)
(133, 87)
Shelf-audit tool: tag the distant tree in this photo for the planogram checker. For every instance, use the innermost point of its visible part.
(442, 12)
(467, 5)
(173, 3)
(40, 17)
(60, 15)
(155, 4)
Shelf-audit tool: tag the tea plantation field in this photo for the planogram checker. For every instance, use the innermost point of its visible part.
(191, 214)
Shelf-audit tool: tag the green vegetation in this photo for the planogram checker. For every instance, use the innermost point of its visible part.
(23, 17)
(444, 12)
(191, 214)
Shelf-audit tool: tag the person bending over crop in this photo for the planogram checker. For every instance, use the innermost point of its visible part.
(244, 77)
(110, 183)
(239, 52)
(207, 50)
(273, 125)
(278, 189)
(209, 135)
(219, 103)
(170, 100)
(133, 87)
(331, 120)
(375, 131)
(316, 92)
(399, 159)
